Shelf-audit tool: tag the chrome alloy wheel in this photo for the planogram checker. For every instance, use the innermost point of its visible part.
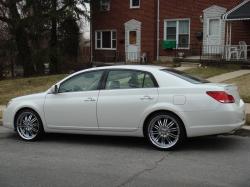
(164, 131)
(27, 125)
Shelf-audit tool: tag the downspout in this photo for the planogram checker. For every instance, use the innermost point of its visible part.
(158, 29)
(91, 36)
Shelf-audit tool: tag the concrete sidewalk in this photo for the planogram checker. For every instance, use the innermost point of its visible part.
(228, 76)
(2, 107)
(183, 68)
(247, 108)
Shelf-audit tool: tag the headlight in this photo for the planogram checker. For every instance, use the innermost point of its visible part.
(9, 103)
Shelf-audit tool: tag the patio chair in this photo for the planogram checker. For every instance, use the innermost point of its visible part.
(237, 52)
(242, 53)
(232, 52)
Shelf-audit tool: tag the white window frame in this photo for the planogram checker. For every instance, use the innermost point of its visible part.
(112, 39)
(177, 31)
(103, 3)
(134, 7)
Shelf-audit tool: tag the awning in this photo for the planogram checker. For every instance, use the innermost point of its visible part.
(240, 12)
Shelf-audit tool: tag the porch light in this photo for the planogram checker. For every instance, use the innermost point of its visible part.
(201, 18)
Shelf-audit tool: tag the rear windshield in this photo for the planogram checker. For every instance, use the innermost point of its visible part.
(186, 76)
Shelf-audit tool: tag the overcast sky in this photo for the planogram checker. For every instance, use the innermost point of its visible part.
(86, 27)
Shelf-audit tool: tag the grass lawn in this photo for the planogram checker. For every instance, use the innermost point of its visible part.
(18, 87)
(243, 84)
(207, 72)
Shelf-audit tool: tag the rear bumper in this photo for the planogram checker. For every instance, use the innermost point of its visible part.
(214, 129)
(225, 119)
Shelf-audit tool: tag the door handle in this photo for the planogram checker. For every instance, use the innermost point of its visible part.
(90, 99)
(146, 97)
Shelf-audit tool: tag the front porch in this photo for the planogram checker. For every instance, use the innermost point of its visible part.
(217, 53)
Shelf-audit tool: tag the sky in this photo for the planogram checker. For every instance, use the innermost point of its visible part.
(86, 26)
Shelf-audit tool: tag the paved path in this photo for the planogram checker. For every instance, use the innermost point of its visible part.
(227, 76)
(2, 107)
(247, 108)
(183, 68)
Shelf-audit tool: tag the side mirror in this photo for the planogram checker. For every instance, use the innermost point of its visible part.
(54, 89)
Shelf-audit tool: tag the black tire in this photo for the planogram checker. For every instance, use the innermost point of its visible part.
(171, 133)
(28, 125)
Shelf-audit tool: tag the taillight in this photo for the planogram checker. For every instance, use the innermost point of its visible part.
(221, 96)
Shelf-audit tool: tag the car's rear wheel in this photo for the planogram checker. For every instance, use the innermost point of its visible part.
(164, 131)
(29, 125)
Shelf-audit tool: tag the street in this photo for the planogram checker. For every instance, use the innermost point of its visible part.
(79, 160)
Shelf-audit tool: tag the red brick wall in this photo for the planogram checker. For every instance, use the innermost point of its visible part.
(119, 14)
(169, 9)
(240, 32)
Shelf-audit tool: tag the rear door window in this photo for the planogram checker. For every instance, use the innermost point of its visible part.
(129, 79)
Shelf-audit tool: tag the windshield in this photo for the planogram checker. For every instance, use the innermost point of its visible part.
(185, 76)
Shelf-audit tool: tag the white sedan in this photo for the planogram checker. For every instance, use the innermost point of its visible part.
(163, 105)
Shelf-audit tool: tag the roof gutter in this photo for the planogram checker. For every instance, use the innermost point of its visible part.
(158, 30)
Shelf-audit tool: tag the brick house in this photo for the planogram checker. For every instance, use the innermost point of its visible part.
(125, 30)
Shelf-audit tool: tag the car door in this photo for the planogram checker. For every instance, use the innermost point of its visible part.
(74, 106)
(124, 98)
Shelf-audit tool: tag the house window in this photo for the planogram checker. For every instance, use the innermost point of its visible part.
(105, 40)
(179, 31)
(104, 5)
(134, 3)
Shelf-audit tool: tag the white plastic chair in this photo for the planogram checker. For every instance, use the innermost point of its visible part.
(237, 52)
(242, 53)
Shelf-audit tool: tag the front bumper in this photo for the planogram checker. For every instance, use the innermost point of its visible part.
(8, 119)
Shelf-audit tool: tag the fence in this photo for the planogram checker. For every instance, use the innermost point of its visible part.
(122, 57)
(214, 53)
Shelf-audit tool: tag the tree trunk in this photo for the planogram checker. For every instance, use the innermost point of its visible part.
(21, 37)
(54, 68)
(24, 52)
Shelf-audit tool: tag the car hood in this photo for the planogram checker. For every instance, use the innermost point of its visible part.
(31, 96)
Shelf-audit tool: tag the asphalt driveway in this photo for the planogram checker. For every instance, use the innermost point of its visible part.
(78, 160)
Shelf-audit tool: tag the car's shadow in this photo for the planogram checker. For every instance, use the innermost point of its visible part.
(207, 143)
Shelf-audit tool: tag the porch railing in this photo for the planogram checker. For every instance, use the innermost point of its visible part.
(214, 52)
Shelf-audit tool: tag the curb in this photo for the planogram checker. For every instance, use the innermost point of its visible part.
(246, 128)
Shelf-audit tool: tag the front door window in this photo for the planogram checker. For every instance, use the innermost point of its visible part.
(214, 27)
(132, 37)
(84, 82)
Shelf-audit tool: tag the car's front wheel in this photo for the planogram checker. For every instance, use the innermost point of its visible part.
(29, 125)
(164, 131)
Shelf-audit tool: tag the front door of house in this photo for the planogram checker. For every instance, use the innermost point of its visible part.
(213, 29)
(213, 36)
(132, 41)
(133, 50)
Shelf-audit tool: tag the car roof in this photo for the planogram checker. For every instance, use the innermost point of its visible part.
(134, 67)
